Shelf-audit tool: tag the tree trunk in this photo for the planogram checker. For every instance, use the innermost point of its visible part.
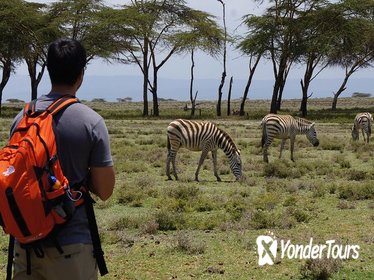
(219, 101)
(223, 77)
(280, 96)
(145, 78)
(252, 70)
(156, 111)
(229, 98)
(35, 77)
(193, 104)
(304, 100)
(277, 88)
(7, 68)
(305, 87)
(340, 90)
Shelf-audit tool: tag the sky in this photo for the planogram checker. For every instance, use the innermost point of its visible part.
(206, 67)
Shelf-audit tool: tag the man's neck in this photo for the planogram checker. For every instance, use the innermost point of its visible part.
(64, 90)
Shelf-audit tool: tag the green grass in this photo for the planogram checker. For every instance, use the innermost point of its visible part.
(157, 229)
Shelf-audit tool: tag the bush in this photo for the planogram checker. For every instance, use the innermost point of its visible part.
(267, 201)
(186, 244)
(300, 215)
(168, 220)
(281, 170)
(356, 175)
(235, 206)
(150, 227)
(357, 191)
(319, 269)
(262, 219)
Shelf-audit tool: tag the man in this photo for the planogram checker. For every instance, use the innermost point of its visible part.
(83, 148)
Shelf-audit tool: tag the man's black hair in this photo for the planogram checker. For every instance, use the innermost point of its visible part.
(65, 61)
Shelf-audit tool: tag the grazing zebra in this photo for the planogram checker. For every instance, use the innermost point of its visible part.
(362, 121)
(201, 136)
(284, 127)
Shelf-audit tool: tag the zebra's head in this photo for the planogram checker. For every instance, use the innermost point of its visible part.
(236, 164)
(355, 133)
(312, 135)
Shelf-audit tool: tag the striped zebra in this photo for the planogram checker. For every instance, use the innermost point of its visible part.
(285, 127)
(201, 136)
(362, 121)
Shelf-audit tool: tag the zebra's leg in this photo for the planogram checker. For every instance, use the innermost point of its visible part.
(292, 144)
(369, 131)
(171, 157)
(363, 135)
(214, 158)
(265, 149)
(168, 161)
(281, 148)
(201, 161)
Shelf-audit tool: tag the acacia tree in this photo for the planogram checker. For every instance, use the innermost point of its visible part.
(11, 13)
(205, 36)
(39, 32)
(354, 47)
(276, 25)
(316, 33)
(254, 44)
(280, 26)
(224, 58)
(159, 29)
(87, 21)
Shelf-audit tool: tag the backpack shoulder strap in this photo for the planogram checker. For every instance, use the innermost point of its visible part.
(30, 108)
(61, 103)
(96, 242)
(10, 258)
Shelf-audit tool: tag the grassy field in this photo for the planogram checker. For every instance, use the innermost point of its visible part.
(152, 228)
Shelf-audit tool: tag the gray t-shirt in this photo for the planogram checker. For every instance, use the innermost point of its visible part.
(82, 142)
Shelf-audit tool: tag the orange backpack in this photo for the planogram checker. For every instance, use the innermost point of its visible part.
(34, 193)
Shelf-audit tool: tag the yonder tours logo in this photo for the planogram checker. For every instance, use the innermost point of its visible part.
(267, 249)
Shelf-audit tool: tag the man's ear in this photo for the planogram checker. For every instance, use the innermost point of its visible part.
(80, 79)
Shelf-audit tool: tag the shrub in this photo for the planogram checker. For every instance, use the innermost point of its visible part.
(187, 244)
(344, 163)
(262, 219)
(357, 191)
(185, 192)
(281, 170)
(150, 227)
(300, 215)
(344, 204)
(130, 222)
(290, 201)
(319, 191)
(129, 195)
(168, 220)
(266, 201)
(319, 269)
(356, 175)
(235, 206)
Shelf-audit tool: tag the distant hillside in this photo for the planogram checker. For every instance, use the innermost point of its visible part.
(112, 87)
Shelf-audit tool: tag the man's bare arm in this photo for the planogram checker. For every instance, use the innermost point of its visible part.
(102, 181)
